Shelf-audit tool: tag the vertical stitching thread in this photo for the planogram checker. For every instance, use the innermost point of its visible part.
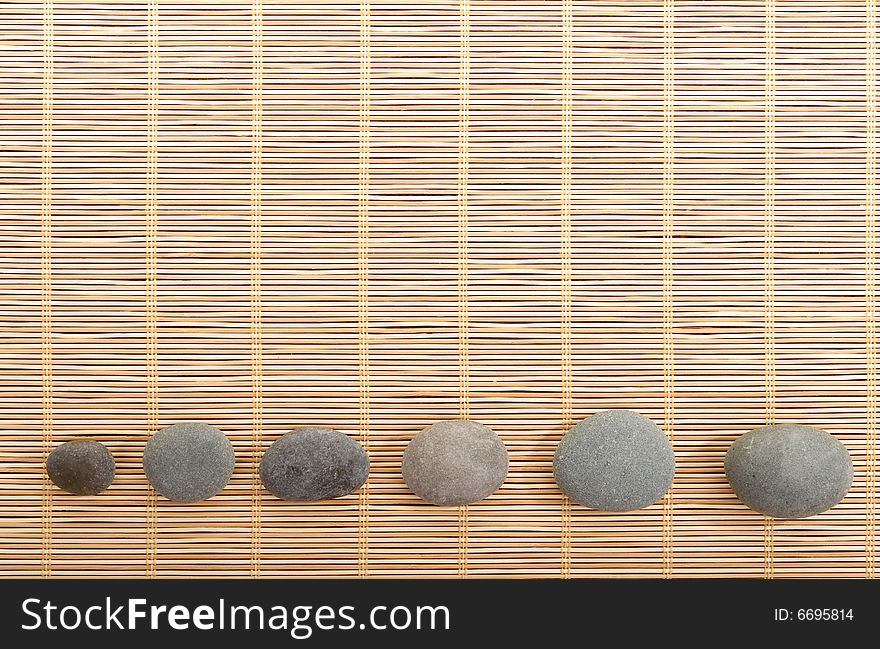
(565, 251)
(463, 171)
(463, 516)
(46, 283)
(463, 324)
(769, 251)
(668, 261)
(871, 290)
(151, 211)
(256, 233)
(364, 280)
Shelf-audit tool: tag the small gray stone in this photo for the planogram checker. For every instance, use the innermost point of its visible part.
(314, 463)
(188, 462)
(82, 467)
(455, 463)
(789, 470)
(614, 461)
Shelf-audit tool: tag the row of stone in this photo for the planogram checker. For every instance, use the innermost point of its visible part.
(616, 461)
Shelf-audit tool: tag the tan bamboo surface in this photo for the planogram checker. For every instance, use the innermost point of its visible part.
(377, 215)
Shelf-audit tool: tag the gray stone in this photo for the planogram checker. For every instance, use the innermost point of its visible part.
(789, 470)
(614, 461)
(82, 467)
(188, 462)
(455, 463)
(314, 463)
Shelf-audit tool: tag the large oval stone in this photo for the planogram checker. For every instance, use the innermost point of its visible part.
(82, 467)
(614, 461)
(314, 463)
(455, 463)
(789, 470)
(189, 462)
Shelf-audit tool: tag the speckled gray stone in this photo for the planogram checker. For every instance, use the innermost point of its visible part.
(82, 467)
(789, 470)
(188, 462)
(455, 462)
(314, 463)
(614, 461)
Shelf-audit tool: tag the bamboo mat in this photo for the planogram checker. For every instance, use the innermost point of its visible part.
(374, 216)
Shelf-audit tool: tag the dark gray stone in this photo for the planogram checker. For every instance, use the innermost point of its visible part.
(789, 470)
(455, 463)
(82, 467)
(614, 461)
(189, 462)
(314, 463)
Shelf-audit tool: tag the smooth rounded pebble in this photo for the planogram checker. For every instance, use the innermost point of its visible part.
(314, 463)
(614, 461)
(789, 470)
(188, 462)
(455, 462)
(82, 467)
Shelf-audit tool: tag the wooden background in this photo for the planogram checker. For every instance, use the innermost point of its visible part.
(377, 215)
